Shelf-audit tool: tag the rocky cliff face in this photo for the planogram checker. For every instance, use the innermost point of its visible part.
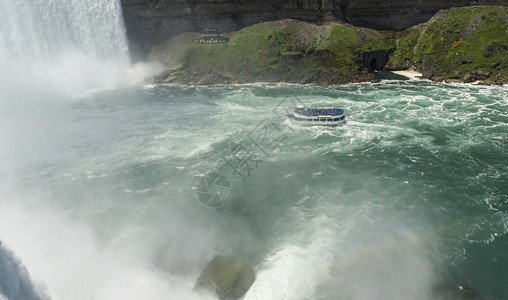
(152, 22)
(466, 44)
(273, 51)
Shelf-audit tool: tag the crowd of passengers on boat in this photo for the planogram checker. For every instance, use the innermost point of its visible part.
(320, 111)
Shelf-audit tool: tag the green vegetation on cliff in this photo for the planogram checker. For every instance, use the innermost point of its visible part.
(254, 49)
(466, 44)
(403, 55)
(287, 50)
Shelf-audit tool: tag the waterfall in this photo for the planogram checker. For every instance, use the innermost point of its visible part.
(52, 49)
(15, 281)
(38, 30)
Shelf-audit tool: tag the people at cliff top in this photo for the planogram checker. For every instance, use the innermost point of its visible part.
(211, 40)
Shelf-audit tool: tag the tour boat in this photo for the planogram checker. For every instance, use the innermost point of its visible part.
(318, 116)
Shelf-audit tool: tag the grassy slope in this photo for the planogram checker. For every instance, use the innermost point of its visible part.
(290, 51)
(450, 46)
(453, 45)
(403, 55)
(252, 49)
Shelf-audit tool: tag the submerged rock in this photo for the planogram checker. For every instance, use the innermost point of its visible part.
(228, 278)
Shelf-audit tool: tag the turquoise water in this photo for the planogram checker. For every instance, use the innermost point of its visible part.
(102, 197)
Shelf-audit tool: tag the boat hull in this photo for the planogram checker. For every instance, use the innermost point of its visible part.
(337, 121)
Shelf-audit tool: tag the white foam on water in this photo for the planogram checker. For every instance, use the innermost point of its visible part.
(294, 270)
(332, 254)
(353, 258)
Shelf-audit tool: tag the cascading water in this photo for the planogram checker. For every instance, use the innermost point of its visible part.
(15, 282)
(39, 30)
(60, 49)
(52, 53)
(98, 194)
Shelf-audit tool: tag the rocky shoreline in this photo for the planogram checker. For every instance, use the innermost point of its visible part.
(457, 45)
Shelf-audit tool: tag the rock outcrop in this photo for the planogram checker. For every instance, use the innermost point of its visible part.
(153, 22)
(227, 278)
(275, 51)
(460, 44)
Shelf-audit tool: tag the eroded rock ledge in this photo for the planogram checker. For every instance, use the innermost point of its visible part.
(460, 44)
(153, 22)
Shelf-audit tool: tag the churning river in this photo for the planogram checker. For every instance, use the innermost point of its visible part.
(104, 196)
(116, 190)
